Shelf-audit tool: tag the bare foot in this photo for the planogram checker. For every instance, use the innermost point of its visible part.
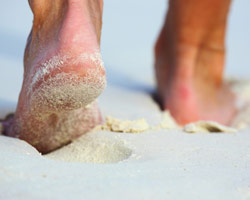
(189, 60)
(63, 74)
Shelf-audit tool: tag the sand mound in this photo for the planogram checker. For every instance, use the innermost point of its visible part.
(94, 147)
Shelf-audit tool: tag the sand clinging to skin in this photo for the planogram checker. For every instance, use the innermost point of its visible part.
(68, 91)
(57, 62)
(65, 88)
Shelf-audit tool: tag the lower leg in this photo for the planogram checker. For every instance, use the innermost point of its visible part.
(190, 59)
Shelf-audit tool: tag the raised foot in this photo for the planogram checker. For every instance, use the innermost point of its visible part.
(57, 101)
(63, 74)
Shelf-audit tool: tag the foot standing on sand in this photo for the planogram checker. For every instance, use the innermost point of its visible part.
(189, 61)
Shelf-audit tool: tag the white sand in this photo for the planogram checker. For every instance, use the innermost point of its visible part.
(160, 163)
(157, 163)
(97, 147)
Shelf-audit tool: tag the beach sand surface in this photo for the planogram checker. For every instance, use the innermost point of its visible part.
(153, 158)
